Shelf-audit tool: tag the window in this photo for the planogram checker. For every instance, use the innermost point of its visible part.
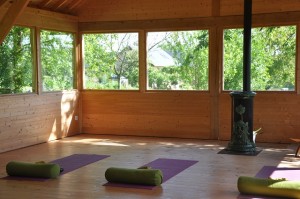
(16, 62)
(273, 59)
(57, 60)
(177, 60)
(111, 61)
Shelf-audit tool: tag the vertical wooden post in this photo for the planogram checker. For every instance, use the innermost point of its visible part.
(214, 80)
(143, 80)
(39, 85)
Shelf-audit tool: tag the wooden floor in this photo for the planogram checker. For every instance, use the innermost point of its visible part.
(213, 177)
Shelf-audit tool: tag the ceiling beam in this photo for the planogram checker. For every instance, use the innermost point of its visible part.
(2, 2)
(76, 3)
(59, 4)
(45, 3)
(10, 17)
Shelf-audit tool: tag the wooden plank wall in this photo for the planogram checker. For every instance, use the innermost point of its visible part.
(235, 7)
(205, 115)
(126, 10)
(32, 119)
(147, 114)
(28, 119)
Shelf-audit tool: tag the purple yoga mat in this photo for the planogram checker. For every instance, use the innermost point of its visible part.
(169, 168)
(69, 163)
(292, 174)
(274, 172)
(75, 161)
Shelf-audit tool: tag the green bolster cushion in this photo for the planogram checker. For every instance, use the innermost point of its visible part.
(152, 177)
(33, 170)
(269, 187)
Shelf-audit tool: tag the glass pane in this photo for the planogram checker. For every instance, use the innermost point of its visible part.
(57, 58)
(111, 61)
(16, 62)
(177, 60)
(273, 59)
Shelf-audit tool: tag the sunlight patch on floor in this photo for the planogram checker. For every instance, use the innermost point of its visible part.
(98, 142)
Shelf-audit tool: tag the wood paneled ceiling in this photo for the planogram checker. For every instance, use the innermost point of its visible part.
(70, 7)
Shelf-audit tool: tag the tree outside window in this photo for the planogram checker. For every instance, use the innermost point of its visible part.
(177, 60)
(273, 59)
(111, 61)
(16, 62)
(57, 60)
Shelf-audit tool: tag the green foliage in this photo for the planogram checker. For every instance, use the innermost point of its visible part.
(111, 61)
(16, 62)
(189, 51)
(163, 78)
(57, 55)
(273, 58)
